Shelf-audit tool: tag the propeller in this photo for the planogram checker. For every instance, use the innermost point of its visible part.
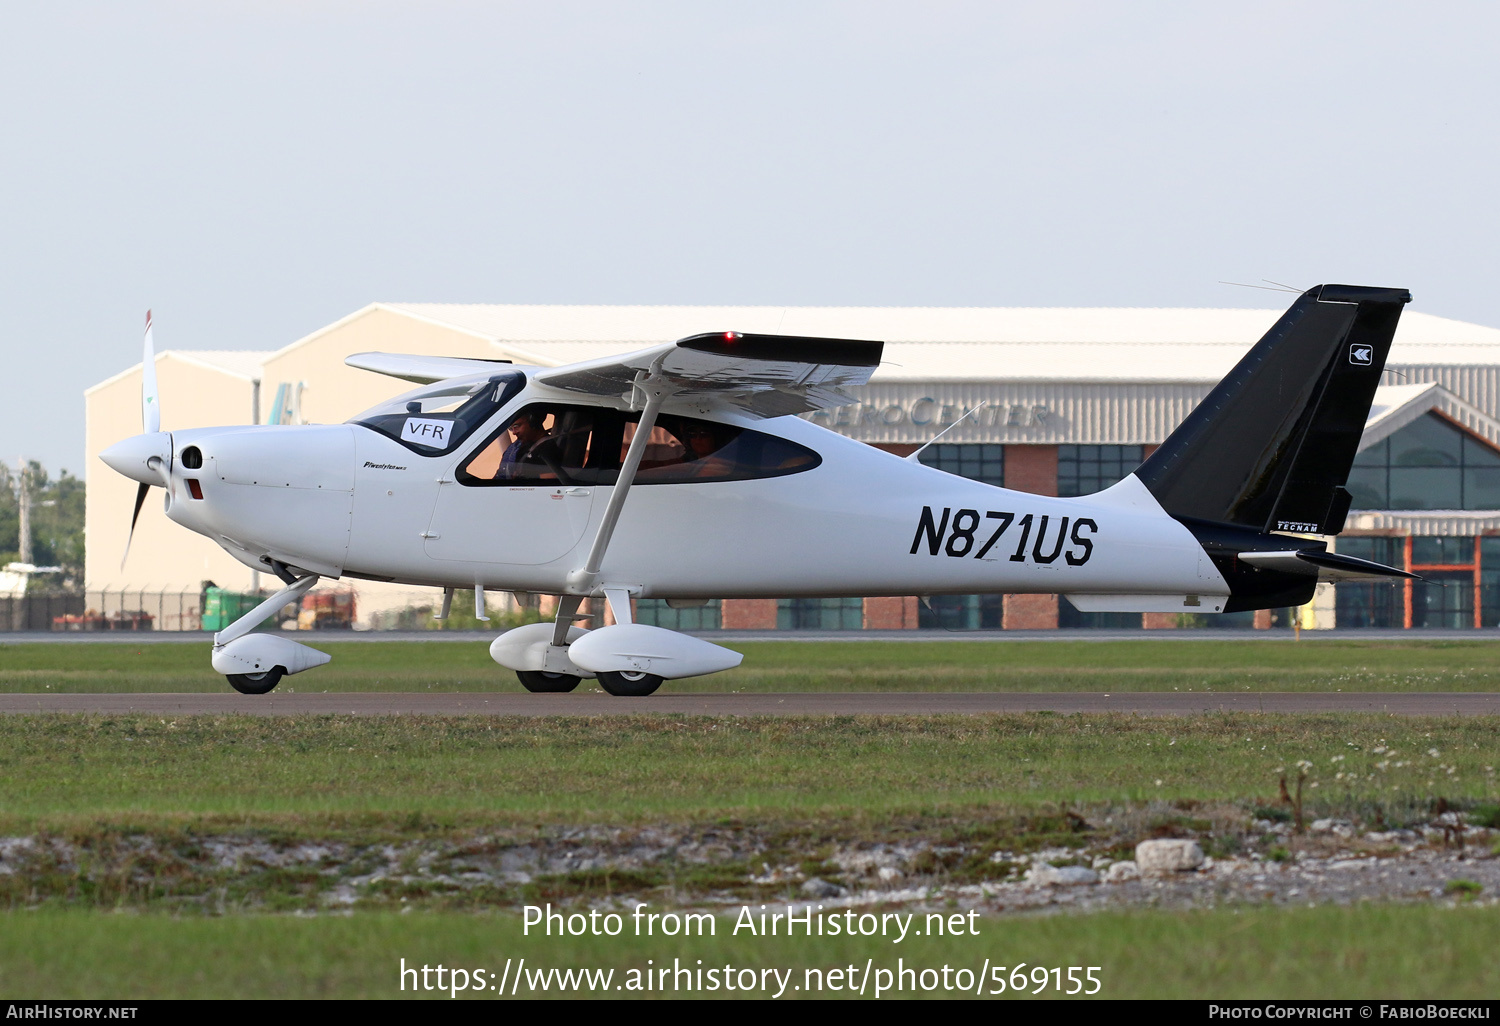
(150, 401)
(140, 500)
(143, 458)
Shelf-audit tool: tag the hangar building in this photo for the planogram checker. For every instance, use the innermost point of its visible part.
(1072, 400)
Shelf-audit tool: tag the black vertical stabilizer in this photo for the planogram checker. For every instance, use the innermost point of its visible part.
(1271, 446)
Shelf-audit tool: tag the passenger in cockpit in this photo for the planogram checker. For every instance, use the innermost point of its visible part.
(701, 442)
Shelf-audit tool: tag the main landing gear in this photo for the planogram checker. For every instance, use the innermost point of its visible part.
(629, 660)
(545, 682)
(628, 683)
(620, 683)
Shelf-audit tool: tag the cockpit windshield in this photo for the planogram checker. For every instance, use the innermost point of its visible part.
(431, 420)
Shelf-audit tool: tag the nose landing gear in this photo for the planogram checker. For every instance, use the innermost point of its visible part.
(255, 663)
(256, 683)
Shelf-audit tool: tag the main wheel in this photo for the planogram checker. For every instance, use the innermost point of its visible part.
(629, 683)
(256, 683)
(545, 682)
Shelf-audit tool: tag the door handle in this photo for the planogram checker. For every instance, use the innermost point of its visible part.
(575, 491)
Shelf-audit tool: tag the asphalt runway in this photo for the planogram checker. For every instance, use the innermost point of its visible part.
(730, 637)
(787, 704)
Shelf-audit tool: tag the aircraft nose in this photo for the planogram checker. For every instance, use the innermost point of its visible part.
(139, 458)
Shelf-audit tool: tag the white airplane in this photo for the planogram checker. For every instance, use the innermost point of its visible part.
(681, 472)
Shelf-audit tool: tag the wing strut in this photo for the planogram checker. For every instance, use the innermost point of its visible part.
(654, 387)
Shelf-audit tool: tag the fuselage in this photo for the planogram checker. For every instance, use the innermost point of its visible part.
(346, 500)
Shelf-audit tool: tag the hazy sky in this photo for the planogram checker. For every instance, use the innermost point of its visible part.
(253, 171)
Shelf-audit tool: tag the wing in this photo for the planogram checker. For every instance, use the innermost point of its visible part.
(422, 369)
(764, 375)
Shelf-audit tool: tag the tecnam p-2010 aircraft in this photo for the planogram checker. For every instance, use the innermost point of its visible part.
(681, 472)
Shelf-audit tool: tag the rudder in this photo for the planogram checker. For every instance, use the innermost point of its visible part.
(1270, 448)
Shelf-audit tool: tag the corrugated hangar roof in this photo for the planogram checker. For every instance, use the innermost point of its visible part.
(239, 363)
(952, 344)
(1101, 344)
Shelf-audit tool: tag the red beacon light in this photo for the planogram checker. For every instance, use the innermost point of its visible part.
(730, 336)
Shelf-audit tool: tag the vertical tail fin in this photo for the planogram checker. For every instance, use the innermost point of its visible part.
(1271, 446)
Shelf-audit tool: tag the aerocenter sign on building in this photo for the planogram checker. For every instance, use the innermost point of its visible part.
(1063, 401)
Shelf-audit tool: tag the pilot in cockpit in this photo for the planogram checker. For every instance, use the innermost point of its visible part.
(528, 432)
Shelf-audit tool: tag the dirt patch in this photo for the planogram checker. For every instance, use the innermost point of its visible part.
(1029, 862)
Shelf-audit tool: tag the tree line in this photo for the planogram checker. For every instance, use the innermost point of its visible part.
(56, 522)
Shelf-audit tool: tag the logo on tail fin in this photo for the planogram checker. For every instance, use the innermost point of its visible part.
(1361, 354)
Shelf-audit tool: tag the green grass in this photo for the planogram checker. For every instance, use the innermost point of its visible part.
(1124, 666)
(309, 772)
(1359, 952)
(108, 782)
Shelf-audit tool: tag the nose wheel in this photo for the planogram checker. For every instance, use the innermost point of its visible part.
(256, 683)
(629, 683)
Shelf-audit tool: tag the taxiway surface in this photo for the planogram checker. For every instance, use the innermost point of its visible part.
(785, 704)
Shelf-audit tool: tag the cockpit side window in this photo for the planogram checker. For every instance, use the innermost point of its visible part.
(433, 420)
(586, 445)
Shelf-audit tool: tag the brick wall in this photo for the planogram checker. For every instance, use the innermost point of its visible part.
(890, 613)
(748, 614)
(1031, 468)
(1029, 612)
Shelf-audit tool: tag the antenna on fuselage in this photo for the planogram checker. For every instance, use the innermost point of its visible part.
(950, 427)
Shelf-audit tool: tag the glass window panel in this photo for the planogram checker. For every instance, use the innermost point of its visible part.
(1442, 550)
(1390, 551)
(837, 614)
(1367, 488)
(1489, 581)
(1478, 454)
(1377, 455)
(1425, 488)
(1085, 469)
(1489, 598)
(1427, 442)
(657, 613)
(1368, 603)
(985, 463)
(1443, 600)
(1359, 548)
(961, 612)
(1481, 488)
(434, 419)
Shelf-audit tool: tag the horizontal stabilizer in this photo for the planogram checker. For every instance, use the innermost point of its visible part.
(763, 375)
(423, 370)
(1328, 566)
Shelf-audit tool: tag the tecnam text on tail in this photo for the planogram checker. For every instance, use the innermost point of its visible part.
(681, 472)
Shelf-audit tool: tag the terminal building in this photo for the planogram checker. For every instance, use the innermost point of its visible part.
(1052, 401)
